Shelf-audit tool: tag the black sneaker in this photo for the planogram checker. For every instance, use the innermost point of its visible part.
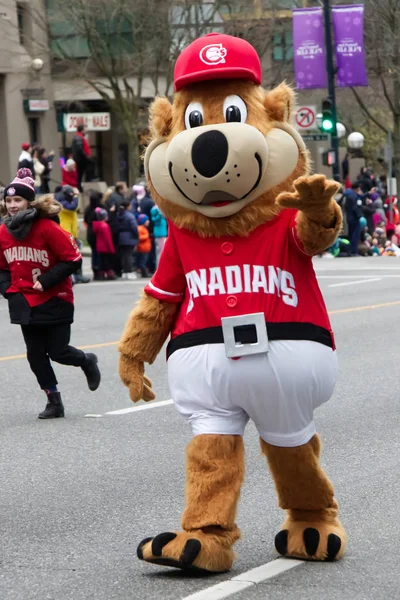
(54, 407)
(92, 372)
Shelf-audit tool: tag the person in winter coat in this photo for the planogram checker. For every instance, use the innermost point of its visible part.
(68, 198)
(144, 246)
(47, 162)
(145, 203)
(104, 245)
(25, 160)
(353, 208)
(82, 156)
(128, 238)
(37, 258)
(89, 217)
(39, 168)
(70, 174)
(160, 230)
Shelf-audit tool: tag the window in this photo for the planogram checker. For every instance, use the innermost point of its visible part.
(191, 21)
(282, 46)
(21, 23)
(34, 135)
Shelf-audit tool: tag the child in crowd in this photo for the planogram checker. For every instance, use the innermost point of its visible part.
(144, 246)
(36, 260)
(104, 245)
(70, 174)
(160, 230)
(128, 238)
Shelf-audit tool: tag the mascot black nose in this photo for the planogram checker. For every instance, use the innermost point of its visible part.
(209, 153)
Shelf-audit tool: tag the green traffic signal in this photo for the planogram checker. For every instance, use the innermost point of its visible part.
(327, 125)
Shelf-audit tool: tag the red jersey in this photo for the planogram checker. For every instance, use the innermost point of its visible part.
(45, 246)
(267, 271)
(70, 177)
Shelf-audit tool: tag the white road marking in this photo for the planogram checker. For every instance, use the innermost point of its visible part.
(245, 580)
(89, 416)
(131, 409)
(356, 269)
(355, 282)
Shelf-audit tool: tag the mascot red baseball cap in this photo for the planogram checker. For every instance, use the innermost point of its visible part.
(217, 56)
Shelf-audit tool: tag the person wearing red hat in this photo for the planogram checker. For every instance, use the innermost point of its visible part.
(25, 160)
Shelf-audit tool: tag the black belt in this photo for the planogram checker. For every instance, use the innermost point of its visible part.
(246, 334)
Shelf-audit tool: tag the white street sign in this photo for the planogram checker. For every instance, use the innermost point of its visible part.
(306, 118)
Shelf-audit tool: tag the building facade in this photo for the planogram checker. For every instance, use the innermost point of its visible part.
(27, 110)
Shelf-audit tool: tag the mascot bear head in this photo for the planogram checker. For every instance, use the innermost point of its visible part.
(224, 149)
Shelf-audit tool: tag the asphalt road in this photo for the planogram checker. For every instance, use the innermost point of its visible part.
(78, 494)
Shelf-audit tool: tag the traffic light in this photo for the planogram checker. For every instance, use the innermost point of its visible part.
(327, 117)
(329, 158)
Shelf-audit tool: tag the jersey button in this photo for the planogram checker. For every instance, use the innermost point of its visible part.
(231, 301)
(227, 248)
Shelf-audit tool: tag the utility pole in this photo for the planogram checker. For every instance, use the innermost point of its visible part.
(331, 87)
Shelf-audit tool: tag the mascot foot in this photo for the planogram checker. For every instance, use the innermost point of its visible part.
(195, 550)
(318, 540)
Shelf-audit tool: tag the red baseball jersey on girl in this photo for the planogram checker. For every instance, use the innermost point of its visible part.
(45, 246)
(268, 272)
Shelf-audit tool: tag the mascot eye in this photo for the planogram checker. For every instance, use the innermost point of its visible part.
(235, 110)
(194, 115)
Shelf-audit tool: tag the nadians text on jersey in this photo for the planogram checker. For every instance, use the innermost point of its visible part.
(237, 279)
(26, 254)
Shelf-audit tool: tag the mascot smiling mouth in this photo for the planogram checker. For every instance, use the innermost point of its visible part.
(219, 198)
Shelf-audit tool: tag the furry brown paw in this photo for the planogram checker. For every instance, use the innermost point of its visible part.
(318, 540)
(311, 192)
(131, 372)
(190, 551)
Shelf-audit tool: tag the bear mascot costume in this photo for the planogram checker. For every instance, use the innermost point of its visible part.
(236, 292)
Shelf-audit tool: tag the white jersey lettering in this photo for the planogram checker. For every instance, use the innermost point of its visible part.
(274, 279)
(247, 278)
(289, 295)
(27, 254)
(259, 279)
(233, 279)
(216, 282)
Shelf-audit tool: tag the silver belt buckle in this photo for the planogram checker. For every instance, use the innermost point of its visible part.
(235, 349)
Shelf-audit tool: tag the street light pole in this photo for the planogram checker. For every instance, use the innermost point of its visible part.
(331, 87)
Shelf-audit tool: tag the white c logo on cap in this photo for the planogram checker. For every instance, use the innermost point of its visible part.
(213, 54)
(11, 191)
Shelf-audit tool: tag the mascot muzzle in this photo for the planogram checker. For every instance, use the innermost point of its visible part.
(218, 169)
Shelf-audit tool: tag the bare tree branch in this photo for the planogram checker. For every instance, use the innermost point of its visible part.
(367, 111)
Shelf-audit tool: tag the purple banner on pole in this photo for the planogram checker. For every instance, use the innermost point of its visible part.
(309, 48)
(348, 24)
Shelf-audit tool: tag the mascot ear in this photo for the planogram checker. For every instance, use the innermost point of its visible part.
(280, 102)
(160, 118)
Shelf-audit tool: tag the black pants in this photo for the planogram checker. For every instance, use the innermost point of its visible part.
(106, 262)
(354, 235)
(126, 256)
(50, 342)
(81, 169)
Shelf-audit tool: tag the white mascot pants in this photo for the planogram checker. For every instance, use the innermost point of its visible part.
(278, 390)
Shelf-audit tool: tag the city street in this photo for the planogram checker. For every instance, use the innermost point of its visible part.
(78, 494)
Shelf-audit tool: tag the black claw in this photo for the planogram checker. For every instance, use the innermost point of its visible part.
(190, 552)
(311, 540)
(160, 541)
(281, 542)
(334, 545)
(139, 548)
